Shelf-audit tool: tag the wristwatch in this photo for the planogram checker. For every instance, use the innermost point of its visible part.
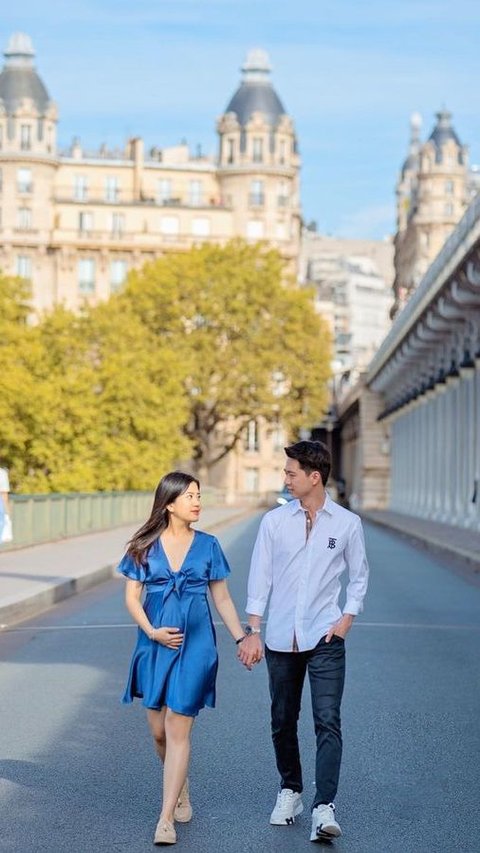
(249, 629)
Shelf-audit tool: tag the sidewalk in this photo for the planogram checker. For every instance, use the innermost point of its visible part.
(457, 541)
(34, 578)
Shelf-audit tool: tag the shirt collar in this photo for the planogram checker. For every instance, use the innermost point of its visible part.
(328, 506)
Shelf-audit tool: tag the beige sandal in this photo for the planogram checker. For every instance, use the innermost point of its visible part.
(183, 810)
(165, 832)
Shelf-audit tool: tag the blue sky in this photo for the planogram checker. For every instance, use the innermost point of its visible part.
(349, 72)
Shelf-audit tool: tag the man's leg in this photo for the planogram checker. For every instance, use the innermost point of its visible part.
(326, 671)
(286, 672)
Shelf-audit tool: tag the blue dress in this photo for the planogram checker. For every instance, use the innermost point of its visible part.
(183, 678)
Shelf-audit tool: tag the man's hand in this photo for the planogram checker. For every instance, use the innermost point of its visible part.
(341, 628)
(250, 650)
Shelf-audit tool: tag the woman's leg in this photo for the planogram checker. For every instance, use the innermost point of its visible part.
(156, 721)
(177, 754)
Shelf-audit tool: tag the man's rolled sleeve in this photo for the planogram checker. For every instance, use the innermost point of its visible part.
(357, 570)
(260, 576)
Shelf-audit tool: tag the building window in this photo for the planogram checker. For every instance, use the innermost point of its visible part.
(118, 273)
(230, 150)
(169, 225)
(255, 229)
(24, 266)
(164, 191)
(85, 222)
(25, 137)
(257, 197)
(195, 193)
(24, 218)
(449, 209)
(118, 224)
(80, 188)
(251, 437)
(278, 438)
(257, 150)
(282, 197)
(86, 275)
(251, 480)
(282, 152)
(24, 181)
(449, 187)
(111, 189)
(201, 226)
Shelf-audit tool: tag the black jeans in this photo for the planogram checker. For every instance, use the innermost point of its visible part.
(326, 671)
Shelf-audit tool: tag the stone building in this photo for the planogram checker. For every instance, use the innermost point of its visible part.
(353, 282)
(433, 191)
(74, 222)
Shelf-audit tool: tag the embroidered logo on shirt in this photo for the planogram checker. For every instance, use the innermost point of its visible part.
(331, 543)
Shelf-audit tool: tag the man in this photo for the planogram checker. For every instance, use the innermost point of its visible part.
(302, 548)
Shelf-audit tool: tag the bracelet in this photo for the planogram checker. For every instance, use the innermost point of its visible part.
(240, 640)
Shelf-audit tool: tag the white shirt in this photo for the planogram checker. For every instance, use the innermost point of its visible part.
(302, 576)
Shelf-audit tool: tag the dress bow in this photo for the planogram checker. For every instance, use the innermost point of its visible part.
(176, 583)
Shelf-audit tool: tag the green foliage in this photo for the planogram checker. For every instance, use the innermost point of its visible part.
(252, 342)
(83, 404)
(172, 367)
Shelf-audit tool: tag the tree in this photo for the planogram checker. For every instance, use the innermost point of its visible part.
(87, 401)
(251, 343)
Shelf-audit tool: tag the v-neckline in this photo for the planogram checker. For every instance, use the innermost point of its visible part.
(176, 571)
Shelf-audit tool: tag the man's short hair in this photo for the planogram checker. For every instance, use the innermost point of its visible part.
(311, 456)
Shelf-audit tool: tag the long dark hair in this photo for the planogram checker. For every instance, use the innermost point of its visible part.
(170, 487)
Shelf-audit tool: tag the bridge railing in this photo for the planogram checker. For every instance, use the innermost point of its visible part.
(49, 517)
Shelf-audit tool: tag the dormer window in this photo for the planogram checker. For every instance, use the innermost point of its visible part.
(230, 150)
(25, 137)
(257, 150)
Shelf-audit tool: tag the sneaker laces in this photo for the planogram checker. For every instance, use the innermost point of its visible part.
(285, 796)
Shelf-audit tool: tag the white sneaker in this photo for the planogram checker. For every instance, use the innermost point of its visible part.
(288, 806)
(324, 825)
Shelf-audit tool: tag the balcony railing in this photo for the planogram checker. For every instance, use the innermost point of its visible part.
(68, 195)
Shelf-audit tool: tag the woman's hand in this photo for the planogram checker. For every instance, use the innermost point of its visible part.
(169, 637)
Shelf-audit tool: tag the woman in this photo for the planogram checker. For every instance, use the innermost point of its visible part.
(174, 664)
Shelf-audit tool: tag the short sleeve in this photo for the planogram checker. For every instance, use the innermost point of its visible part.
(130, 569)
(219, 568)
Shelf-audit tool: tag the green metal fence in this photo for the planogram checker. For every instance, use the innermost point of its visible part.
(46, 518)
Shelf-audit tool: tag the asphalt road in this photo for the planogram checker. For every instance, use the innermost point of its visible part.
(78, 769)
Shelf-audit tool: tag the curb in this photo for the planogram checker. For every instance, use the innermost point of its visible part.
(29, 605)
(429, 542)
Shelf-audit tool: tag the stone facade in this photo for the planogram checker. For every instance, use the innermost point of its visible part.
(434, 188)
(75, 222)
(353, 282)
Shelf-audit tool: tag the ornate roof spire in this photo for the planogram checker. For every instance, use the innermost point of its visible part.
(19, 51)
(256, 68)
